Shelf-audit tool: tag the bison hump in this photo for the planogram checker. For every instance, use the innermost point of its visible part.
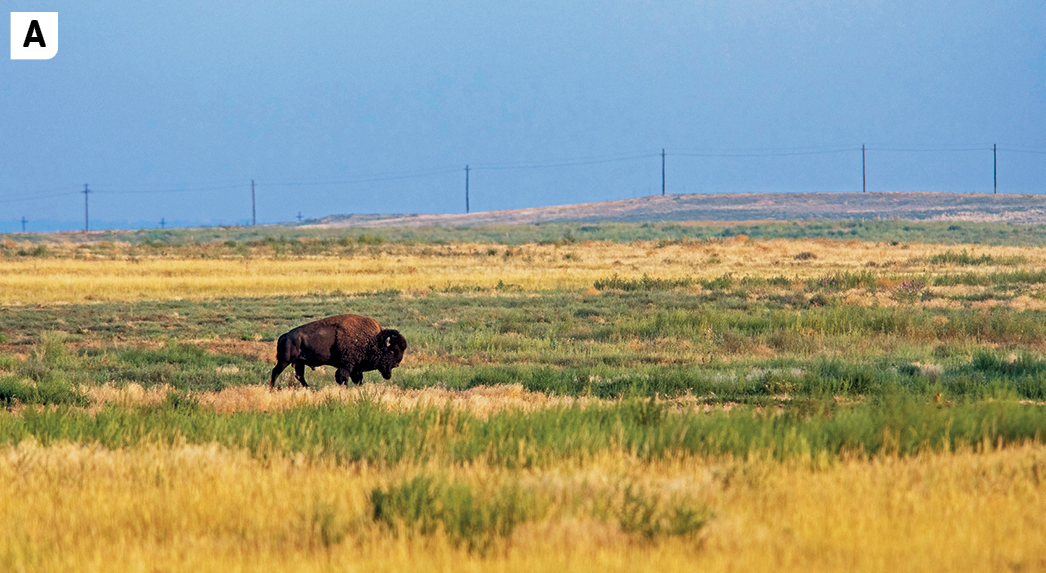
(354, 333)
(354, 324)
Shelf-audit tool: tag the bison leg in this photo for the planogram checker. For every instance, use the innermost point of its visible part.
(342, 376)
(280, 365)
(357, 378)
(299, 372)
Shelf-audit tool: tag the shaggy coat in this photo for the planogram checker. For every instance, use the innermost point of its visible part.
(351, 343)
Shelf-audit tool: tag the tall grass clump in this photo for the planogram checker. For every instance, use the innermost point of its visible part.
(51, 351)
(14, 391)
(325, 527)
(647, 283)
(1022, 375)
(648, 516)
(45, 378)
(844, 281)
(1021, 276)
(909, 291)
(425, 505)
(965, 259)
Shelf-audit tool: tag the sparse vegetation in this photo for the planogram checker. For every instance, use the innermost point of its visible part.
(965, 259)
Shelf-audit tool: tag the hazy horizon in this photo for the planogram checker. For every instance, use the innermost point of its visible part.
(170, 111)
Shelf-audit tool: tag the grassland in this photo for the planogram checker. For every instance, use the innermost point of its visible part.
(289, 238)
(210, 508)
(578, 400)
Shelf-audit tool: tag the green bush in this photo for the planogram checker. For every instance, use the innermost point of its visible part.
(51, 350)
(41, 392)
(323, 524)
(645, 515)
(424, 505)
(369, 239)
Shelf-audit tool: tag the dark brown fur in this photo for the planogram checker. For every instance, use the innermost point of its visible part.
(351, 343)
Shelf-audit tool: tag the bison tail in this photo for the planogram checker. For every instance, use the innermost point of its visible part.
(285, 350)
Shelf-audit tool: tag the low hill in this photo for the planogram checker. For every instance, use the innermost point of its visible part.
(1019, 209)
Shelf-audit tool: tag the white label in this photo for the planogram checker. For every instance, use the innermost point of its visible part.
(34, 35)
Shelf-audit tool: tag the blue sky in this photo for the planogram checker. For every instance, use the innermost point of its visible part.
(169, 110)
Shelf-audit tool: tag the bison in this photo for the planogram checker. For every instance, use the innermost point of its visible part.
(351, 343)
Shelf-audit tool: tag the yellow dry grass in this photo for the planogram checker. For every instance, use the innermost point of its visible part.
(416, 270)
(76, 507)
(480, 400)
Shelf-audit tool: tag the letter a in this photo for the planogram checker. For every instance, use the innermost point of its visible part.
(27, 35)
(30, 37)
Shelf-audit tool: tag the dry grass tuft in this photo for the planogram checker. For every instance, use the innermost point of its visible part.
(480, 401)
(930, 371)
(129, 395)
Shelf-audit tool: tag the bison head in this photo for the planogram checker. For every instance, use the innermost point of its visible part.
(391, 346)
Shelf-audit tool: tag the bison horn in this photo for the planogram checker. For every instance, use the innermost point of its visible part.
(388, 341)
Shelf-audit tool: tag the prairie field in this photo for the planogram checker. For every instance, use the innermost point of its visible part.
(815, 396)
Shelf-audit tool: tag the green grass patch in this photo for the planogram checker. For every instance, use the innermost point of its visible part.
(893, 425)
(1017, 277)
(617, 344)
(14, 391)
(966, 259)
(844, 281)
(294, 240)
(646, 283)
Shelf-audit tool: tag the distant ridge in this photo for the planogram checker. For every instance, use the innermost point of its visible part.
(983, 207)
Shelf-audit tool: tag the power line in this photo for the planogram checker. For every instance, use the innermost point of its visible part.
(767, 153)
(929, 149)
(115, 186)
(562, 163)
(1018, 150)
(28, 198)
(376, 178)
(169, 190)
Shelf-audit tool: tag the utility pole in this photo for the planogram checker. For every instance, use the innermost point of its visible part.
(254, 217)
(995, 166)
(299, 216)
(864, 184)
(87, 225)
(23, 223)
(162, 223)
(662, 171)
(466, 188)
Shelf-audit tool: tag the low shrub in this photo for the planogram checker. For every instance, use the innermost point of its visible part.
(424, 505)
